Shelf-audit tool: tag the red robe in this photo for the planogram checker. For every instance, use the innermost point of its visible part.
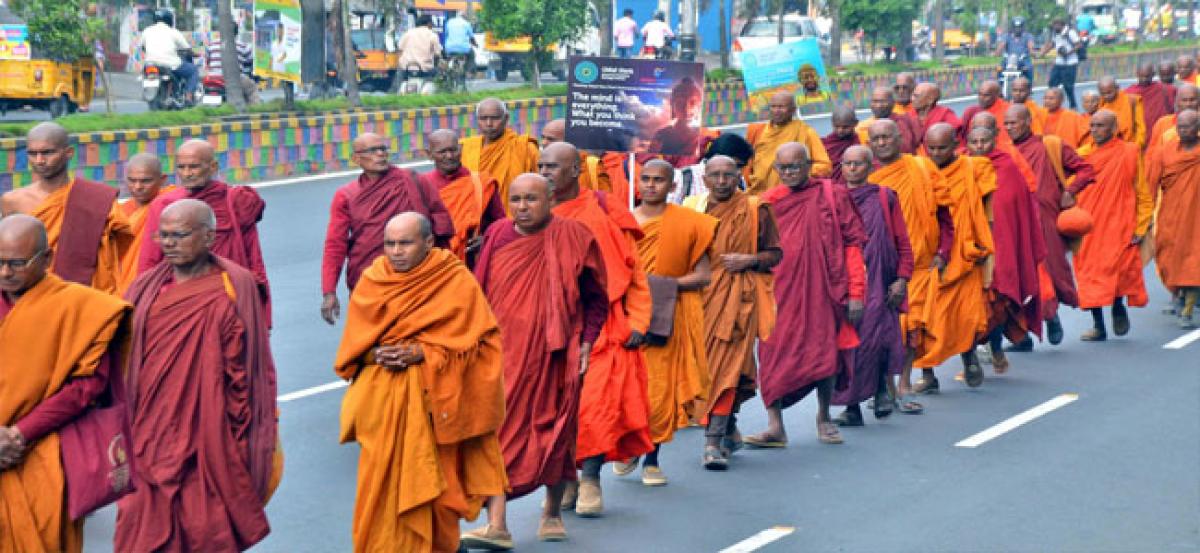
(822, 269)
(541, 333)
(202, 388)
(1157, 100)
(836, 148)
(937, 114)
(998, 109)
(1020, 248)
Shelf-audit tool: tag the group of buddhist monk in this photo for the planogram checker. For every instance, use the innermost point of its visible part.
(526, 312)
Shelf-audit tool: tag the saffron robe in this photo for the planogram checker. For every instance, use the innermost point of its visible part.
(56, 331)
(959, 317)
(201, 383)
(504, 159)
(1108, 264)
(1070, 126)
(677, 372)
(614, 405)
(473, 202)
(114, 240)
(766, 138)
(1037, 117)
(1158, 101)
(1020, 249)
(836, 147)
(135, 214)
(910, 132)
(997, 109)
(821, 271)
(1163, 131)
(547, 292)
(428, 434)
(1131, 118)
(1175, 173)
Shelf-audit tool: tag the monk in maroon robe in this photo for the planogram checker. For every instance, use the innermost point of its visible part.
(363, 207)
(819, 289)
(989, 101)
(1053, 195)
(926, 110)
(1158, 99)
(882, 104)
(544, 277)
(1015, 305)
(238, 210)
(843, 136)
(889, 258)
(201, 385)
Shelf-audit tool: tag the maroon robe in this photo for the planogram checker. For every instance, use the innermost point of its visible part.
(547, 291)
(201, 384)
(1157, 100)
(1020, 245)
(937, 114)
(812, 288)
(1049, 195)
(836, 148)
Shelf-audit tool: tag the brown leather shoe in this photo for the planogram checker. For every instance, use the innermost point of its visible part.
(590, 503)
(552, 529)
(487, 538)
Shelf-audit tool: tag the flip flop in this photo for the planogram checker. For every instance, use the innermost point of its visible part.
(1000, 364)
(827, 433)
(848, 418)
(926, 386)
(761, 441)
(714, 459)
(1121, 323)
(909, 406)
(974, 375)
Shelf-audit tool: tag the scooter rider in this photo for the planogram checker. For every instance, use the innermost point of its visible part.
(163, 43)
(1017, 41)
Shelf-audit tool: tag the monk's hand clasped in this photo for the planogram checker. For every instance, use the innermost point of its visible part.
(854, 311)
(1067, 201)
(330, 308)
(739, 262)
(635, 340)
(474, 243)
(399, 356)
(585, 353)
(12, 447)
(939, 263)
(896, 293)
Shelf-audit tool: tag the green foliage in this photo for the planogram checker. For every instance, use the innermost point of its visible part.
(546, 22)
(723, 75)
(882, 21)
(58, 29)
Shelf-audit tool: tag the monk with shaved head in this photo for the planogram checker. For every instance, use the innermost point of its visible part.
(1021, 92)
(843, 136)
(1128, 107)
(927, 111)
(65, 339)
(889, 260)
(1186, 97)
(406, 355)
(1091, 102)
(496, 149)
(904, 88)
(84, 223)
(591, 175)
(1158, 99)
(238, 210)
(739, 306)
(145, 180)
(613, 409)
(471, 198)
(361, 208)
(546, 340)
(1052, 163)
(958, 320)
(201, 382)
(819, 289)
(1108, 265)
(882, 102)
(990, 99)
(1068, 125)
(1173, 170)
(781, 128)
(1185, 67)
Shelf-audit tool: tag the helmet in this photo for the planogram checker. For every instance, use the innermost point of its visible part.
(1075, 222)
(1018, 23)
(164, 15)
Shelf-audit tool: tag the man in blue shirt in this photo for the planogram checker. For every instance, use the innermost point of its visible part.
(1018, 42)
(459, 36)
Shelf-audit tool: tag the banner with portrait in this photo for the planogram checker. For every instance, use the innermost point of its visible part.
(277, 39)
(794, 67)
(14, 42)
(635, 105)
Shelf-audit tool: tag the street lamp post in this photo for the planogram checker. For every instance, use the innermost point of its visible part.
(687, 30)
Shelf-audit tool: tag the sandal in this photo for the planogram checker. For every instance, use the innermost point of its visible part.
(1120, 323)
(622, 468)
(730, 445)
(927, 386)
(849, 418)
(764, 441)
(552, 529)
(909, 406)
(828, 433)
(1094, 335)
(487, 539)
(973, 374)
(883, 405)
(714, 459)
(1000, 363)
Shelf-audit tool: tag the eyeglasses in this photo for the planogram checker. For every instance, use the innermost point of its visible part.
(377, 150)
(176, 236)
(21, 264)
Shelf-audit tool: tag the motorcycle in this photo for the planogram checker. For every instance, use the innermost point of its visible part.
(665, 53)
(417, 81)
(162, 91)
(1010, 70)
(214, 91)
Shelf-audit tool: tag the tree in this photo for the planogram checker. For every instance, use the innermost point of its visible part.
(835, 32)
(57, 28)
(545, 22)
(231, 67)
(886, 21)
(344, 47)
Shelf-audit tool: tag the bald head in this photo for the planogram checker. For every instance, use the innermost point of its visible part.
(144, 177)
(491, 116)
(1052, 100)
(1185, 66)
(407, 239)
(884, 138)
(1187, 127)
(792, 164)
(940, 142)
(50, 133)
(981, 141)
(882, 102)
(989, 92)
(1103, 126)
(1166, 72)
(856, 164)
(445, 151)
(844, 120)
(905, 84)
(411, 221)
(442, 137)
(554, 131)
(925, 96)
(1018, 122)
(530, 199)
(1108, 88)
(186, 231)
(1091, 101)
(49, 152)
(559, 164)
(24, 228)
(1145, 73)
(193, 213)
(782, 108)
(1187, 96)
(195, 164)
(984, 120)
(1020, 90)
(22, 240)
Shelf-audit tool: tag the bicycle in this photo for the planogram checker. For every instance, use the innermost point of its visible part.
(452, 73)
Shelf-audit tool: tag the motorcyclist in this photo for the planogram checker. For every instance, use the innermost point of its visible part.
(1017, 41)
(163, 43)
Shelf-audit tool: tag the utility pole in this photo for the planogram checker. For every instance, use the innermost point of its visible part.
(939, 30)
(687, 30)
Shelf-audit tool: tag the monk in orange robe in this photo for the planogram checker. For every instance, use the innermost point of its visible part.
(201, 384)
(882, 101)
(1108, 265)
(471, 197)
(1131, 118)
(591, 175)
(546, 342)
(1185, 66)
(959, 318)
(426, 395)
(904, 89)
(1157, 98)
(144, 178)
(1187, 97)
(739, 303)
(1069, 125)
(1174, 171)
(613, 408)
(65, 340)
(1021, 92)
(87, 230)
(990, 100)
(498, 150)
(783, 127)
(926, 206)
(674, 253)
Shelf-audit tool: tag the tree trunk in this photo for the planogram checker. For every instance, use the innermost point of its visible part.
(349, 66)
(606, 27)
(835, 34)
(780, 15)
(391, 13)
(537, 69)
(108, 102)
(939, 31)
(231, 70)
(724, 31)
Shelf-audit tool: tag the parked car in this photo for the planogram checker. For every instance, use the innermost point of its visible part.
(761, 32)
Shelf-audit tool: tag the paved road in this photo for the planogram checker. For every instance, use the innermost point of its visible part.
(1113, 471)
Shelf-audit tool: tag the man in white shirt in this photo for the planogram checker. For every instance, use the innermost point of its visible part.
(1066, 45)
(163, 42)
(420, 47)
(625, 33)
(656, 32)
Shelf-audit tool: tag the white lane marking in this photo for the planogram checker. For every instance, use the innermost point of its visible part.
(312, 391)
(1015, 422)
(757, 541)
(1182, 341)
